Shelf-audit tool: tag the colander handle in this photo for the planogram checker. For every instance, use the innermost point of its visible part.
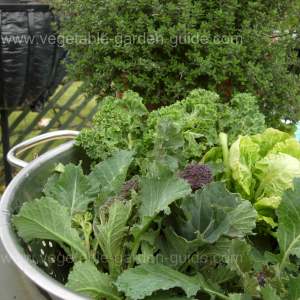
(40, 139)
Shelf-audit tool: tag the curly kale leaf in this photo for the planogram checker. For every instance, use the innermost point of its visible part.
(241, 116)
(195, 120)
(118, 124)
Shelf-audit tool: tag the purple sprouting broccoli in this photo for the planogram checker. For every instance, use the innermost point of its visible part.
(130, 185)
(197, 175)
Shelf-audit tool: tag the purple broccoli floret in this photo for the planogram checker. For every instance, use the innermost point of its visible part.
(130, 185)
(197, 175)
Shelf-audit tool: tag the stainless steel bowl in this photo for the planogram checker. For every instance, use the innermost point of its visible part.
(26, 186)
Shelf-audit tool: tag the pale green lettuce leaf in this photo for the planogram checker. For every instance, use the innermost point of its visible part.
(111, 231)
(70, 189)
(268, 220)
(268, 139)
(266, 206)
(288, 233)
(108, 176)
(86, 280)
(46, 219)
(275, 173)
(243, 155)
(290, 146)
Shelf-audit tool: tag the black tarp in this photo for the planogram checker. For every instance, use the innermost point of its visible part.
(30, 57)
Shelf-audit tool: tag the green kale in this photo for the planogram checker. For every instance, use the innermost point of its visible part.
(169, 137)
(241, 116)
(194, 119)
(119, 124)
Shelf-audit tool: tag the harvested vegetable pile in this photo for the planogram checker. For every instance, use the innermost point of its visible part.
(156, 219)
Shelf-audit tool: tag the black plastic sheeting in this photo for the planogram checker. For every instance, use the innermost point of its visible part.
(30, 57)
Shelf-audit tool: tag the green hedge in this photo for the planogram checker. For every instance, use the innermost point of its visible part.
(232, 49)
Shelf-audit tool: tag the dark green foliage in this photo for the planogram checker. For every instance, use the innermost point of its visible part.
(164, 49)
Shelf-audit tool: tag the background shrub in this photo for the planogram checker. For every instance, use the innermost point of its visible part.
(235, 49)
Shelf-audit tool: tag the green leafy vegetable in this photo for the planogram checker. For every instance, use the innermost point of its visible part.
(171, 136)
(111, 232)
(275, 173)
(289, 225)
(196, 119)
(85, 279)
(157, 194)
(118, 124)
(269, 139)
(144, 280)
(268, 293)
(294, 288)
(242, 157)
(260, 167)
(108, 177)
(46, 219)
(242, 107)
(71, 179)
(290, 146)
(213, 212)
(157, 225)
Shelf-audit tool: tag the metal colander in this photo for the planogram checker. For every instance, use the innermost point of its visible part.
(44, 262)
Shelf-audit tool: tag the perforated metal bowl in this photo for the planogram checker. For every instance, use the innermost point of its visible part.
(39, 260)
